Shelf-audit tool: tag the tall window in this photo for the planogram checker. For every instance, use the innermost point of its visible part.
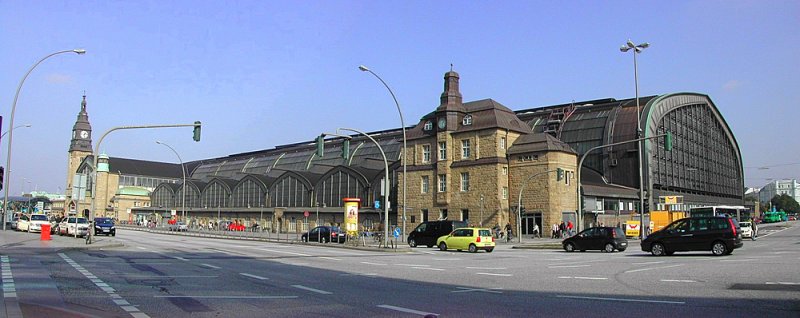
(426, 182)
(426, 153)
(464, 181)
(465, 215)
(465, 149)
(505, 171)
(505, 192)
(502, 142)
(442, 150)
(442, 183)
(443, 214)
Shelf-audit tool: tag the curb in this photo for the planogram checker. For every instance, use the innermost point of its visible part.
(544, 246)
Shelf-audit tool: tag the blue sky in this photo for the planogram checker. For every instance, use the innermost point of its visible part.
(265, 73)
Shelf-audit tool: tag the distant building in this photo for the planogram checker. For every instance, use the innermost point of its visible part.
(779, 187)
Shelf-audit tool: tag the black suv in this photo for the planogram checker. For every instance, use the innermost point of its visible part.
(719, 234)
(104, 226)
(325, 234)
(606, 239)
(427, 232)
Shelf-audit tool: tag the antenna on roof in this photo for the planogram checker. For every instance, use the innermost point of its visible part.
(451, 67)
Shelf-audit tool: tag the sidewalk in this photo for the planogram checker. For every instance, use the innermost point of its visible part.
(13, 239)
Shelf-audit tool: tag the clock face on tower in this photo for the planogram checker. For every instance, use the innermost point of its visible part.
(442, 123)
(84, 134)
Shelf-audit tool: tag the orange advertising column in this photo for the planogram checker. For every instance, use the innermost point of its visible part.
(351, 206)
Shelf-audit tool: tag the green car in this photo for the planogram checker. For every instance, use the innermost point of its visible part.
(471, 239)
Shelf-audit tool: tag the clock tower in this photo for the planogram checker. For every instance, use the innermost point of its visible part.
(79, 148)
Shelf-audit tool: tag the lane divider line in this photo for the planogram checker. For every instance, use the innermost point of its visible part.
(624, 299)
(312, 289)
(116, 298)
(651, 268)
(494, 274)
(253, 276)
(407, 310)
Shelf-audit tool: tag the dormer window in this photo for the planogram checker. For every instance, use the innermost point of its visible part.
(467, 120)
(428, 125)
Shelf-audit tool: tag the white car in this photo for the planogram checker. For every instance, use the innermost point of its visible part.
(68, 226)
(747, 229)
(24, 223)
(36, 221)
(179, 226)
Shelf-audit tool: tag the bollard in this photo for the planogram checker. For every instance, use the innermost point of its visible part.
(45, 232)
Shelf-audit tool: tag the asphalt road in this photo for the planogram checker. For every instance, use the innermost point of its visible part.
(156, 275)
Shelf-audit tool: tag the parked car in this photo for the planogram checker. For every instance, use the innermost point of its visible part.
(36, 222)
(719, 234)
(179, 226)
(471, 239)
(104, 226)
(428, 232)
(73, 226)
(24, 223)
(746, 228)
(325, 234)
(606, 239)
(14, 223)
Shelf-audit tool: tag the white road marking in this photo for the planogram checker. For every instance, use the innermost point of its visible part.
(141, 248)
(651, 268)
(227, 297)
(253, 276)
(446, 259)
(122, 303)
(170, 276)
(737, 260)
(407, 310)
(487, 268)
(428, 268)
(9, 288)
(624, 299)
(180, 258)
(568, 266)
(483, 290)
(412, 265)
(494, 274)
(283, 252)
(370, 263)
(210, 266)
(312, 289)
(331, 258)
(679, 280)
(648, 263)
(583, 277)
(592, 261)
(782, 283)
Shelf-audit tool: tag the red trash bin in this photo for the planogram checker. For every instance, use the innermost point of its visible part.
(45, 232)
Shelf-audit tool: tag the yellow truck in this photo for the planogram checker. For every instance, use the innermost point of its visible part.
(660, 219)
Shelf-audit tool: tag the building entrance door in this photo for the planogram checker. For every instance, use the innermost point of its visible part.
(528, 220)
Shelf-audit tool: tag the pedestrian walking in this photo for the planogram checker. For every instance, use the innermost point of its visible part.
(754, 235)
(508, 232)
(554, 230)
(562, 229)
(569, 228)
(536, 231)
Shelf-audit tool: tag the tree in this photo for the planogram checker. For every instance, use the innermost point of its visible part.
(786, 203)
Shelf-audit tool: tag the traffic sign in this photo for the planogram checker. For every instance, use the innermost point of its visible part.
(377, 204)
(305, 213)
(396, 232)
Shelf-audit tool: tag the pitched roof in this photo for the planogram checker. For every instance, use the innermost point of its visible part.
(538, 142)
(145, 168)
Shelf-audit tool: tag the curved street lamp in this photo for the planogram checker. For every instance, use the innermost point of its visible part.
(183, 171)
(20, 126)
(403, 124)
(636, 50)
(11, 124)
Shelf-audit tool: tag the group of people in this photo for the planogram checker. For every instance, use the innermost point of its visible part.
(507, 234)
(562, 230)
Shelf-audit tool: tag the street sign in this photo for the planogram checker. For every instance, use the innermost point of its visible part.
(305, 214)
(396, 232)
(377, 204)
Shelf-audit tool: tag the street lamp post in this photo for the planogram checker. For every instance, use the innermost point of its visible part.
(19, 126)
(386, 184)
(403, 124)
(636, 50)
(11, 124)
(183, 171)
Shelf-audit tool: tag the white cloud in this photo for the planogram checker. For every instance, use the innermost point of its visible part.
(732, 85)
(58, 78)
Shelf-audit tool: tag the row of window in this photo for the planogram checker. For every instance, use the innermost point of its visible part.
(466, 150)
(442, 182)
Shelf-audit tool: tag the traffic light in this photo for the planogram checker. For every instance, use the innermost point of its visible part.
(668, 141)
(346, 149)
(320, 145)
(559, 174)
(196, 136)
(2, 175)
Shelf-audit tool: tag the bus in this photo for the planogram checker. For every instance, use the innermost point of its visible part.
(774, 216)
(737, 211)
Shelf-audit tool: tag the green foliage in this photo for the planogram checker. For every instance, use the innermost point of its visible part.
(786, 203)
